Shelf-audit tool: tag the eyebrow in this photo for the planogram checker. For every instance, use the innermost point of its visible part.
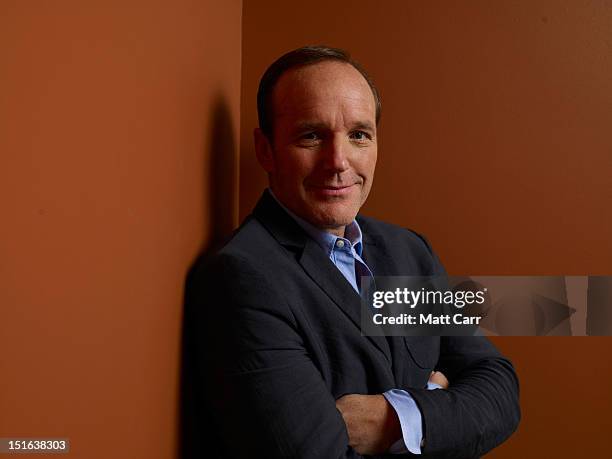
(308, 126)
(364, 125)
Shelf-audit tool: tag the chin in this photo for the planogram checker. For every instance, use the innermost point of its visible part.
(333, 216)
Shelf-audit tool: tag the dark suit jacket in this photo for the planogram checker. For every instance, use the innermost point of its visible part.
(275, 337)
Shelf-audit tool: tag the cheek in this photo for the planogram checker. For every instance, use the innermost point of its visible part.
(297, 168)
(366, 165)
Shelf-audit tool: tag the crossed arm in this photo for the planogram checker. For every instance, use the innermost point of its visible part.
(270, 400)
(371, 422)
(478, 410)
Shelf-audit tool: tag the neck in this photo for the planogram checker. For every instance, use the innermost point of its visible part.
(335, 230)
(339, 231)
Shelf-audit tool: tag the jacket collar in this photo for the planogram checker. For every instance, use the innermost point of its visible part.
(278, 222)
(315, 261)
(287, 231)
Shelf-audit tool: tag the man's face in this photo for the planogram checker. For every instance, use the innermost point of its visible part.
(322, 158)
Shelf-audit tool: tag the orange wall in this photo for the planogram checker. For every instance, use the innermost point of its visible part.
(118, 163)
(117, 119)
(495, 143)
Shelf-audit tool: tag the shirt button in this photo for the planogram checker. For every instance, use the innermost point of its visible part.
(339, 243)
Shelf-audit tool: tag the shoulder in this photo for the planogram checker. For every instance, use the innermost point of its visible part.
(243, 251)
(248, 263)
(406, 251)
(241, 276)
(393, 234)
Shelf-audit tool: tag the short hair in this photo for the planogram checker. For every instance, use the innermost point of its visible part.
(301, 57)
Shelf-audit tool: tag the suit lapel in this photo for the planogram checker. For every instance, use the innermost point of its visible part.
(323, 272)
(374, 254)
(314, 262)
(381, 263)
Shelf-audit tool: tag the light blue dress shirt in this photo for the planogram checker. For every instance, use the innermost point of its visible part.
(345, 254)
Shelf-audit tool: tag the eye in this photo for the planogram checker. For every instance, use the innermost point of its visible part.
(310, 136)
(309, 139)
(360, 136)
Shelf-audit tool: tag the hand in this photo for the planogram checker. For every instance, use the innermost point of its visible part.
(437, 377)
(371, 422)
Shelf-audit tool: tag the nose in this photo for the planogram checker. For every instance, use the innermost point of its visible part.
(335, 156)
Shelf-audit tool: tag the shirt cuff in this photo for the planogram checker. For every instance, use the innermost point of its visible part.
(410, 418)
(410, 421)
(433, 385)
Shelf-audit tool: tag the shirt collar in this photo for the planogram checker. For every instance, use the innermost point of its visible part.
(327, 241)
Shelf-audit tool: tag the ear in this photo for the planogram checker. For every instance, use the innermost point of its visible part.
(263, 150)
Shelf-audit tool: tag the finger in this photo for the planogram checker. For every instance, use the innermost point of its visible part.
(437, 377)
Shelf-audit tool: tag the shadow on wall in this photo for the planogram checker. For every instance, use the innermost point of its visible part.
(196, 439)
(221, 176)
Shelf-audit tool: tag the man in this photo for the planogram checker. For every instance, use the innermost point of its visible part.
(283, 370)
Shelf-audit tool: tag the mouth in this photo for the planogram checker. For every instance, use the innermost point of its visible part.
(333, 191)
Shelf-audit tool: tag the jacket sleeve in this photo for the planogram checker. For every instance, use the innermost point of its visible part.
(266, 396)
(480, 409)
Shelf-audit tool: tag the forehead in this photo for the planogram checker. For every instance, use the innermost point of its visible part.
(323, 90)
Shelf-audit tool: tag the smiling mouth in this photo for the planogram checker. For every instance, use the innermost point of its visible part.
(331, 191)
